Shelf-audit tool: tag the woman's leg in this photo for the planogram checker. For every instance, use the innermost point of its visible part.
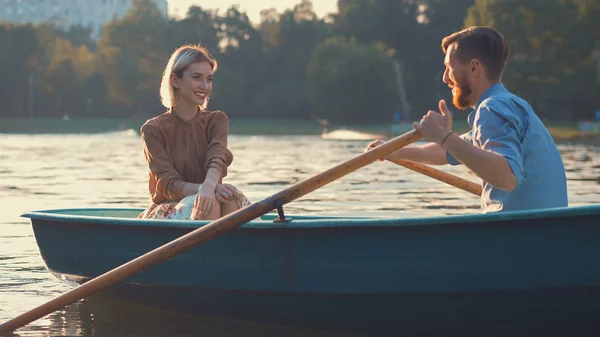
(230, 198)
(234, 204)
(229, 207)
(185, 210)
(214, 213)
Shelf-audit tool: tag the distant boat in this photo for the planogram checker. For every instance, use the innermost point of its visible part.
(589, 126)
(342, 134)
(395, 276)
(400, 128)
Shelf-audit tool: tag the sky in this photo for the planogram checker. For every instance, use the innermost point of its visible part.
(251, 7)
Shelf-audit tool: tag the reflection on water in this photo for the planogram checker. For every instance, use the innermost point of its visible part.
(108, 170)
(104, 317)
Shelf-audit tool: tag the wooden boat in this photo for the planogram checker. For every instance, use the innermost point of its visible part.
(389, 276)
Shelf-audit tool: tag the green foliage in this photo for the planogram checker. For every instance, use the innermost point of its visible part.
(77, 36)
(352, 82)
(17, 63)
(130, 53)
(552, 61)
(414, 29)
(294, 64)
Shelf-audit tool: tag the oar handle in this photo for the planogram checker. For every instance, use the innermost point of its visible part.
(210, 230)
(448, 178)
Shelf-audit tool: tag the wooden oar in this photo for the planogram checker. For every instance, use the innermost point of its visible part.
(448, 178)
(210, 230)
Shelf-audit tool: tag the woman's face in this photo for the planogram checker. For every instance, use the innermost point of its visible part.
(195, 85)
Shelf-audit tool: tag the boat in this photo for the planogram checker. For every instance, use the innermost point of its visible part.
(513, 273)
(399, 128)
(589, 126)
(343, 134)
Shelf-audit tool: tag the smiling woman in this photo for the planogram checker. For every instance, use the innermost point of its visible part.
(186, 147)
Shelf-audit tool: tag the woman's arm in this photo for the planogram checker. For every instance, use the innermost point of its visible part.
(213, 177)
(168, 184)
(218, 156)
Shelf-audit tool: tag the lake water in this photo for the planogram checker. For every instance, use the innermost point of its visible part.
(108, 170)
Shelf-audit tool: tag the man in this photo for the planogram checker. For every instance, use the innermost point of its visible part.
(508, 147)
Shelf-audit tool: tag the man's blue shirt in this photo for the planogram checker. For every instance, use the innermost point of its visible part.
(506, 124)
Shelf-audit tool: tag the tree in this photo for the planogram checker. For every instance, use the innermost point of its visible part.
(198, 27)
(241, 65)
(18, 58)
(551, 61)
(396, 24)
(77, 35)
(131, 55)
(352, 82)
(290, 37)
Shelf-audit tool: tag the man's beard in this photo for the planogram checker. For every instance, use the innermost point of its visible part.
(460, 99)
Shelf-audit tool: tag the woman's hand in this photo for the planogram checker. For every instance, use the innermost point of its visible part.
(226, 192)
(203, 202)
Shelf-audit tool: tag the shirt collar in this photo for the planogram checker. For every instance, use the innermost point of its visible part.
(489, 92)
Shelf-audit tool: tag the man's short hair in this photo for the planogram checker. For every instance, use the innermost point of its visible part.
(482, 43)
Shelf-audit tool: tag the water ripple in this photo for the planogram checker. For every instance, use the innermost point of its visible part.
(64, 171)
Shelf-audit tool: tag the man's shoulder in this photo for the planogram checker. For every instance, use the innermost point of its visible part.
(504, 99)
(506, 105)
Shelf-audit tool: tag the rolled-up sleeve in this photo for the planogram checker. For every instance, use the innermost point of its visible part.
(497, 134)
(466, 137)
(218, 155)
(165, 182)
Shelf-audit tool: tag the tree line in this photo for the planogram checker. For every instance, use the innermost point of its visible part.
(371, 61)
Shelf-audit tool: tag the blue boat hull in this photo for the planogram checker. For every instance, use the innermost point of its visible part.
(557, 312)
(356, 274)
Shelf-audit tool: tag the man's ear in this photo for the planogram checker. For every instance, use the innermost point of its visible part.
(475, 67)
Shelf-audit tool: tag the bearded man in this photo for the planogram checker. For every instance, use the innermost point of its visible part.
(508, 146)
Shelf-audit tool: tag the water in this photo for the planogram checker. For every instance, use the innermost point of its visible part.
(108, 170)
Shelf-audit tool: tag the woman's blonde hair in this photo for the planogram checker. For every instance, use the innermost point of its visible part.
(181, 58)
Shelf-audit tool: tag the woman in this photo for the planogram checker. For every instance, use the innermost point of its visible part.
(186, 147)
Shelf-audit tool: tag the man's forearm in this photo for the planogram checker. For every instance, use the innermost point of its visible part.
(431, 154)
(489, 166)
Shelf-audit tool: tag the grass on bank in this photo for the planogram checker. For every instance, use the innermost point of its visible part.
(102, 125)
(560, 131)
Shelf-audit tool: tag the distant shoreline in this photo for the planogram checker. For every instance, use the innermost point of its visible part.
(561, 132)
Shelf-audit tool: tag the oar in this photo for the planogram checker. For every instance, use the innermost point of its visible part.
(448, 178)
(211, 230)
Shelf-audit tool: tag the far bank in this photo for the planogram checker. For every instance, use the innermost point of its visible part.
(561, 132)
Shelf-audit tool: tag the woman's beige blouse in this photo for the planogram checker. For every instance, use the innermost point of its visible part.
(179, 151)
